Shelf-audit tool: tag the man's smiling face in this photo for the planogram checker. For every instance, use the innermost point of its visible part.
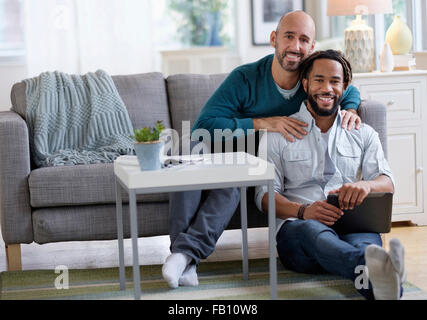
(325, 86)
(293, 41)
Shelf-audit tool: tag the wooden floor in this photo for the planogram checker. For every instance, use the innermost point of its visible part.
(154, 250)
(414, 239)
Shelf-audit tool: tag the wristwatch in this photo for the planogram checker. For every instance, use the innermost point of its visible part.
(301, 211)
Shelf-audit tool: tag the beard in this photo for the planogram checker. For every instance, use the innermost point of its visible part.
(291, 66)
(324, 112)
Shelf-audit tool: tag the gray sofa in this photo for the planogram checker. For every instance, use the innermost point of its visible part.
(77, 203)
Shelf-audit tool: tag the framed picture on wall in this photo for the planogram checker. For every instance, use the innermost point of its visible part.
(265, 16)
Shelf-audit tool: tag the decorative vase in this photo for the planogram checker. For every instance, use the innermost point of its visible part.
(386, 59)
(149, 154)
(399, 36)
(359, 46)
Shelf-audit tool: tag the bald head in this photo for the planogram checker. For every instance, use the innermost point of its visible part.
(293, 40)
(300, 20)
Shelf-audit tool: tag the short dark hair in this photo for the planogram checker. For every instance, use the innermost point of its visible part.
(307, 65)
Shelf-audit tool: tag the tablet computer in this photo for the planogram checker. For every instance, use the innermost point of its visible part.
(372, 215)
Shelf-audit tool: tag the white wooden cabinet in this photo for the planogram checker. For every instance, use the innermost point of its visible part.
(201, 60)
(405, 95)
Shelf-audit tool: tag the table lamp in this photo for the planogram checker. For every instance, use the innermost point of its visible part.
(359, 37)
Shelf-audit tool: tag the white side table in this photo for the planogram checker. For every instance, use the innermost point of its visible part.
(212, 171)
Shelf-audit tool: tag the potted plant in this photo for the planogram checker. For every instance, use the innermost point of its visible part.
(148, 146)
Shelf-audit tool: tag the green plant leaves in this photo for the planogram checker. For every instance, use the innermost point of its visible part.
(148, 134)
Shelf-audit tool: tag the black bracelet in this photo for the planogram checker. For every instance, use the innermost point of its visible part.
(301, 211)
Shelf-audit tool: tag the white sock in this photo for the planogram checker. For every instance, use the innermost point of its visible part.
(189, 277)
(384, 277)
(397, 255)
(174, 267)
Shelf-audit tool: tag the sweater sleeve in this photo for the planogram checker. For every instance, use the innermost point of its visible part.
(222, 110)
(351, 98)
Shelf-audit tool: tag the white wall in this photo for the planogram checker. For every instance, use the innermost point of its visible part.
(247, 51)
(12, 73)
(9, 74)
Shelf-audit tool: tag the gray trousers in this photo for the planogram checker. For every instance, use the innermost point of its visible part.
(198, 218)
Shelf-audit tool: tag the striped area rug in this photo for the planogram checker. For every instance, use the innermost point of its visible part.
(218, 280)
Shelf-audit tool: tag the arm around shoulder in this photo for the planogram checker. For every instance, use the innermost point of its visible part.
(351, 98)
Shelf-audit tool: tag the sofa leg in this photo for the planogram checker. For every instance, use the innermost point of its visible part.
(13, 255)
(383, 240)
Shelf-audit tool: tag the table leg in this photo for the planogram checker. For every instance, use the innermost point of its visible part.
(119, 217)
(134, 233)
(272, 240)
(244, 226)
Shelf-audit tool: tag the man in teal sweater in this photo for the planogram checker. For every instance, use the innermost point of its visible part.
(259, 95)
(233, 106)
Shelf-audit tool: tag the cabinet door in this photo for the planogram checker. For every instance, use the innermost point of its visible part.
(402, 97)
(405, 159)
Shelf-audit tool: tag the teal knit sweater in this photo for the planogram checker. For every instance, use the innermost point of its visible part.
(250, 92)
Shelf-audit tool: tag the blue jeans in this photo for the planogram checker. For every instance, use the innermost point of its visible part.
(309, 246)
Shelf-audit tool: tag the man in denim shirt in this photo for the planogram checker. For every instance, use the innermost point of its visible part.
(330, 159)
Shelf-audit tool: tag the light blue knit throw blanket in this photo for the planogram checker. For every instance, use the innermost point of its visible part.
(76, 119)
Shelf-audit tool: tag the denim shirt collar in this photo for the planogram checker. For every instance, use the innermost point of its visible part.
(304, 115)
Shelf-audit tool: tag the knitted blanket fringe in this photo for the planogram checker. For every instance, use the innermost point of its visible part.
(76, 119)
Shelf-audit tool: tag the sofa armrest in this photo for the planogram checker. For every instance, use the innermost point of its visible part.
(15, 209)
(374, 113)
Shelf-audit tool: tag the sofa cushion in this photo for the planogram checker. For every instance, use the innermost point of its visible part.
(97, 222)
(144, 96)
(188, 94)
(78, 185)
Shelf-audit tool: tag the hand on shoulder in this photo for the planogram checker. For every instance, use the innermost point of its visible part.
(290, 128)
(350, 119)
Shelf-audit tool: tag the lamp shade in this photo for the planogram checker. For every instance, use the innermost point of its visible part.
(355, 7)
